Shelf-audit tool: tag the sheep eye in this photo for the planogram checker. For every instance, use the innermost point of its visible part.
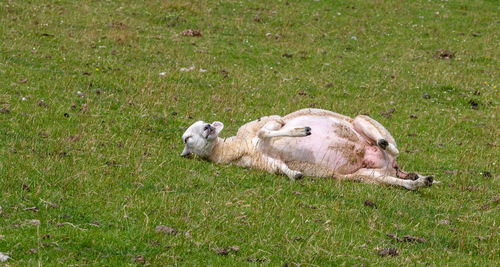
(206, 127)
(186, 140)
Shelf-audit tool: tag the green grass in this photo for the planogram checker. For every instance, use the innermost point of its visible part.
(101, 172)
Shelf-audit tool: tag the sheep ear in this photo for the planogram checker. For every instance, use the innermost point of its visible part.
(218, 126)
(186, 151)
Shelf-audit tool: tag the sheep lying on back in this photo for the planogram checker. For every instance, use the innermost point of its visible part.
(310, 142)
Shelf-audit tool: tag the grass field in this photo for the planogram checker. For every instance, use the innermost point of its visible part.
(93, 104)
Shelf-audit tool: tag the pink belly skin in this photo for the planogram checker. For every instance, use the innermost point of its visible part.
(374, 157)
(333, 144)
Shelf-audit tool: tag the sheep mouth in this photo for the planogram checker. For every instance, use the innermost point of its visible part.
(209, 131)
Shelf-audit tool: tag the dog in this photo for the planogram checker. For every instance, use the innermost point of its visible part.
(311, 142)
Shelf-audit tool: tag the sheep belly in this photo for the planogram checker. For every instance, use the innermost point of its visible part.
(333, 146)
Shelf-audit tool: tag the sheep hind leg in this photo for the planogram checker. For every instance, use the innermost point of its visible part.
(374, 131)
(375, 176)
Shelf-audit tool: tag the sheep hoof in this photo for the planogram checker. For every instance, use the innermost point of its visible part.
(428, 180)
(301, 131)
(382, 143)
(412, 176)
(308, 130)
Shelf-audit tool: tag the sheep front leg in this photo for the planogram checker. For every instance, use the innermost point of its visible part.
(275, 166)
(275, 129)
